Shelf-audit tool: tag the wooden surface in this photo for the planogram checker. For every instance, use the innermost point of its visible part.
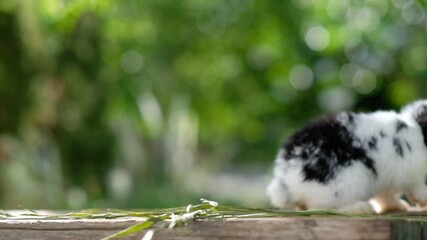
(266, 228)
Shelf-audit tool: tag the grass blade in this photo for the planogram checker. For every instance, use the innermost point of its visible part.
(132, 229)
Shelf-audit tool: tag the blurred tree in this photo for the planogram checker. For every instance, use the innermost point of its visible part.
(127, 101)
(14, 84)
(86, 142)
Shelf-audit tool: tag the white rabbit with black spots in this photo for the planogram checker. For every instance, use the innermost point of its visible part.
(353, 162)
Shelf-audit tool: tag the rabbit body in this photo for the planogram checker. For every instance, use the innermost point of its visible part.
(345, 160)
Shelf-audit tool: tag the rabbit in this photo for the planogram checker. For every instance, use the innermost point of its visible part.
(354, 162)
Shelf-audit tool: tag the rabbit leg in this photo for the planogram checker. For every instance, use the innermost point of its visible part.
(418, 195)
(361, 207)
(388, 202)
(279, 194)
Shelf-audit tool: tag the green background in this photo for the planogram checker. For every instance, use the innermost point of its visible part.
(154, 103)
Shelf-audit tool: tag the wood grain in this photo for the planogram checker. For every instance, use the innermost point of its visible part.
(266, 228)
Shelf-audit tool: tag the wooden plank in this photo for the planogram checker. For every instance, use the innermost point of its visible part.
(266, 228)
(285, 228)
(61, 229)
(403, 230)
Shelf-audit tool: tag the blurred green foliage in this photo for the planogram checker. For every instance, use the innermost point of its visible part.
(117, 103)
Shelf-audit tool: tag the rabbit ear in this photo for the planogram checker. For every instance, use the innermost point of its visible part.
(421, 119)
(418, 112)
(415, 109)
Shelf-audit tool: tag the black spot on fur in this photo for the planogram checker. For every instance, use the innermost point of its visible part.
(350, 118)
(398, 146)
(325, 146)
(382, 134)
(372, 144)
(337, 194)
(408, 146)
(400, 125)
(346, 118)
(421, 119)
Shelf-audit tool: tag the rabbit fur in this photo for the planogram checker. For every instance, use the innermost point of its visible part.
(354, 162)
